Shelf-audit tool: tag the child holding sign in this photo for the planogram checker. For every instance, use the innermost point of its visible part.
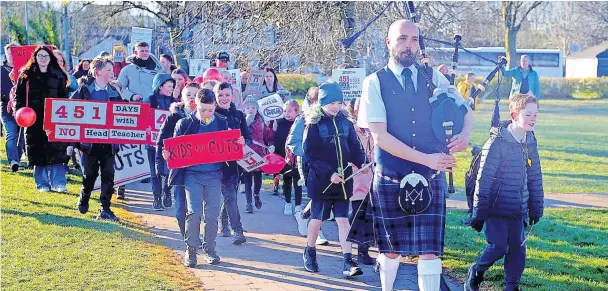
(330, 144)
(178, 111)
(262, 140)
(98, 158)
(203, 182)
(161, 98)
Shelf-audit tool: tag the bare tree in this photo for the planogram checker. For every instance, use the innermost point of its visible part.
(514, 13)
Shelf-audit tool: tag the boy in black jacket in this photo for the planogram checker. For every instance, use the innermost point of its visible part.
(330, 143)
(98, 157)
(509, 190)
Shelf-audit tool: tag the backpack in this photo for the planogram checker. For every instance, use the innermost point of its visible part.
(470, 177)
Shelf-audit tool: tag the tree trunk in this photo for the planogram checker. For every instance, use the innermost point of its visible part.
(347, 15)
(511, 46)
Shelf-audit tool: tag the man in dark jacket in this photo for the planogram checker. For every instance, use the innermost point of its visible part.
(236, 120)
(15, 143)
(509, 190)
(98, 158)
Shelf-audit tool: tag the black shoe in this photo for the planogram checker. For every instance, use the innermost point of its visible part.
(83, 203)
(239, 237)
(107, 214)
(167, 202)
(473, 280)
(15, 167)
(190, 257)
(120, 194)
(310, 259)
(258, 201)
(364, 258)
(249, 208)
(225, 231)
(157, 205)
(351, 268)
(211, 257)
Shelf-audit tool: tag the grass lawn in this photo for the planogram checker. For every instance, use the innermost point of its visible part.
(568, 250)
(571, 140)
(48, 245)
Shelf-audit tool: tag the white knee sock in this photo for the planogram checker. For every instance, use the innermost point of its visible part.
(388, 271)
(429, 275)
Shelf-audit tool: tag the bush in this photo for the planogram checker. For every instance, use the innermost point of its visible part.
(297, 84)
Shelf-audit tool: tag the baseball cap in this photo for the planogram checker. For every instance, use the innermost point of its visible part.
(224, 56)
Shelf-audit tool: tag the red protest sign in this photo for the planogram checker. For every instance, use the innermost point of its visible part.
(97, 121)
(22, 54)
(157, 118)
(203, 148)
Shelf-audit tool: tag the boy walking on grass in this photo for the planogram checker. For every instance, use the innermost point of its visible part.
(509, 191)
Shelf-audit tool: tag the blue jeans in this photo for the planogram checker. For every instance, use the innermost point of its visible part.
(252, 179)
(159, 184)
(51, 176)
(505, 237)
(180, 208)
(230, 208)
(203, 199)
(14, 144)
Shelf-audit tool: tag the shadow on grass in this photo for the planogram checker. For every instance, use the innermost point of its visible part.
(577, 176)
(593, 153)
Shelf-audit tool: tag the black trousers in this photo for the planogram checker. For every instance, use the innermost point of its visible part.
(288, 181)
(93, 164)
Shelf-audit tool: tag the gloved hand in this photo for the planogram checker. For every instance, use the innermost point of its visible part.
(534, 220)
(69, 150)
(477, 224)
(271, 149)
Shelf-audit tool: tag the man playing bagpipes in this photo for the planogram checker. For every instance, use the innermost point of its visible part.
(405, 213)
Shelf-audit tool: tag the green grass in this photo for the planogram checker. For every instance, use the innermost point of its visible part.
(567, 250)
(572, 136)
(48, 245)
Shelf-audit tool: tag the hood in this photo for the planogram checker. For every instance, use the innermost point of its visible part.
(315, 113)
(159, 80)
(159, 66)
(501, 132)
(178, 108)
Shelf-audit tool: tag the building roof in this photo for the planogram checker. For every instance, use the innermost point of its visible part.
(591, 52)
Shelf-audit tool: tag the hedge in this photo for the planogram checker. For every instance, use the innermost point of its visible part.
(551, 88)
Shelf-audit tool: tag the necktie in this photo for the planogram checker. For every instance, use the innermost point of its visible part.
(408, 84)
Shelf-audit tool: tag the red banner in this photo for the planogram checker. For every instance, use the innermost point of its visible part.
(157, 118)
(97, 121)
(204, 148)
(22, 54)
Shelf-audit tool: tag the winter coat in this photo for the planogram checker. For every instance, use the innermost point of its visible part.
(506, 185)
(79, 74)
(362, 182)
(84, 93)
(295, 137)
(516, 74)
(6, 83)
(236, 120)
(167, 130)
(261, 133)
(52, 84)
(280, 142)
(324, 154)
(136, 80)
(186, 126)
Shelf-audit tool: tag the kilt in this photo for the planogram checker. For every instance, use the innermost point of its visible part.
(381, 222)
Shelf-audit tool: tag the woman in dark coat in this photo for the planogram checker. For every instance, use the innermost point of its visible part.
(46, 80)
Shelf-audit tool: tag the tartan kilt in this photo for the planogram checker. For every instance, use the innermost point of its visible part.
(381, 222)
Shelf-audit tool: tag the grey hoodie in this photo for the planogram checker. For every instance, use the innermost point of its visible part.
(135, 80)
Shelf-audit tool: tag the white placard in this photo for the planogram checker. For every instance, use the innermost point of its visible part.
(251, 160)
(271, 107)
(350, 81)
(135, 166)
(198, 66)
(141, 34)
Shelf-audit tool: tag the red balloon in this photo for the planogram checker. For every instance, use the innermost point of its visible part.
(198, 80)
(25, 116)
(212, 74)
(275, 164)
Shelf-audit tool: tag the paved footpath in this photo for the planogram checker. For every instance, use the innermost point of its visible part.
(271, 259)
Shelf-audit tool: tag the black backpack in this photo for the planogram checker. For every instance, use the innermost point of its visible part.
(470, 177)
